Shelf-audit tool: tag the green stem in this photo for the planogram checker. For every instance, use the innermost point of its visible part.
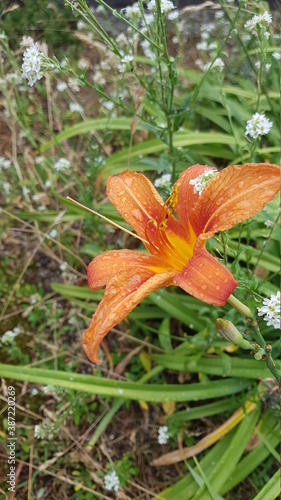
(240, 307)
(271, 367)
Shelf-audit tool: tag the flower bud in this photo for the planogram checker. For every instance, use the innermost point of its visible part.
(228, 332)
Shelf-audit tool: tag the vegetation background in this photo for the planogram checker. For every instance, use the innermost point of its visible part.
(114, 99)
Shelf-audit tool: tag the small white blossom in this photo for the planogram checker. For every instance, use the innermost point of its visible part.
(31, 66)
(61, 86)
(259, 22)
(35, 297)
(148, 49)
(163, 182)
(173, 15)
(269, 223)
(271, 310)
(200, 182)
(63, 266)
(111, 481)
(276, 55)
(53, 233)
(166, 5)
(73, 84)
(34, 391)
(74, 107)
(108, 105)
(267, 67)
(9, 335)
(25, 191)
(3, 36)
(6, 187)
(14, 78)
(132, 11)
(4, 163)
(48, 184)
(163, 434)
(258, 125)
(39, 160)
(218, 63)
(61, 164)
(38, 432)
(202, 45)
(81, 25)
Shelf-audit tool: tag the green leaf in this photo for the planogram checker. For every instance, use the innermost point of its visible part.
(128, 390)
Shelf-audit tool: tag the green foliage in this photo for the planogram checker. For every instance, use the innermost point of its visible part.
(166, 109)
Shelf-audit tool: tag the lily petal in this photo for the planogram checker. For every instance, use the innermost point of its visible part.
(136, 199)
(186, 195)
(124, 292)
(113, 262)
(206, 279)
(234, 195)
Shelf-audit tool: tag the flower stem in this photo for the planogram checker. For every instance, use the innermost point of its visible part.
(240, 307)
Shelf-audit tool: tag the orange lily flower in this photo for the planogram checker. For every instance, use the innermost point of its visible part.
(176, 246)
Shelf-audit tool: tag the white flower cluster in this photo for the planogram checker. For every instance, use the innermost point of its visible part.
(61, 164)
(258, 125)
(200, 182)
(125, 62)
(9, 335)
(4, 163)
(259, 22)
(132, 11)
(111, 481)
(31, 66)
(163, 434)
(74, 107)
(163, 182)
(166, 5)
(271, 311)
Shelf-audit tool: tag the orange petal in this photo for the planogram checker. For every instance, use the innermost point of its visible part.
(109, 264)
(136, 199)
(237, 193)
(206, 279)
(123, 293)
(186, 196)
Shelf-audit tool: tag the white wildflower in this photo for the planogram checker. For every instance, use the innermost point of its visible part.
(163, 434)
(81, 25)
(48, 184)
(132, 11)
(9, 335)
(218, 63)
(61, 86)
(39, 160)
(61, 164)
(200, 182)
(166, 6)
(258, 125)
(271, 310)
(53, 233)
(26, 41)
(202, 45)
(25, 191)
(108, 105)
(6, 187)
(269, 223)
(276, 55)
(163, 182)
(63, 266)
(173, 15)
(4, 163)
(34, 391)
(73, 84)
(14, 78)
(3, 36)
(31, 66)
(259, 22)
(74, 107)
(111, 481)
(148, 49)
(38, 432)
(35, 297)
